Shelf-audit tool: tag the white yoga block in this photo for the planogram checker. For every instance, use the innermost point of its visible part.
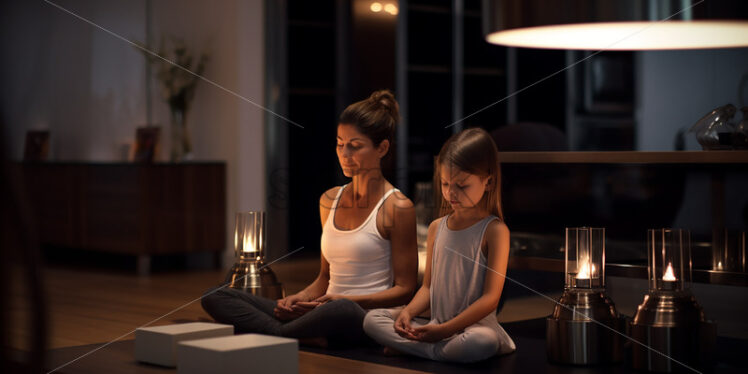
(158, 344)
(246, 353)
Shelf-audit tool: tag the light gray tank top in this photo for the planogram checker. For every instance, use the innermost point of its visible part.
(458, 270)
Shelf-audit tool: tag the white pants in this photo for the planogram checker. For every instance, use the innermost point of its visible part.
(476, 343)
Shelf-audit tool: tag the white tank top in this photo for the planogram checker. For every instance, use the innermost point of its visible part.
(360, 259)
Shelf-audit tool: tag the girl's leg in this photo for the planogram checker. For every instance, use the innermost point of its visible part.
(248, 313)
(379, 325)
(476, 343)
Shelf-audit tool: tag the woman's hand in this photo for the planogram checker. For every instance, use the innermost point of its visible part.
(287, 302)
(431, 333)
(402, 325)
(329, 297)
(292, 307)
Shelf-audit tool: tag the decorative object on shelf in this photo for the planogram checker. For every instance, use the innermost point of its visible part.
(146, 144)
(740, 136)
(178, 82)
(728, 250)
(670, 324)
(250, 273)
(714, 131)
(37, 145)
(585, 328)
(620, 25)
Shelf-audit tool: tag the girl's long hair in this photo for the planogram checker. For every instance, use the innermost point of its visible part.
(474, 152)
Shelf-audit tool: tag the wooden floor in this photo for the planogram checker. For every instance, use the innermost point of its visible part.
(94, 306)
(87, 307)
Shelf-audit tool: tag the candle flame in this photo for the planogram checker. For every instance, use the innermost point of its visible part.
(669, 275)
(586, 270)
(248, 245)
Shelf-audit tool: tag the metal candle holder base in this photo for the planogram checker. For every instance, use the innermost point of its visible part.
(253, 277)
(572, 337)
(673, 326)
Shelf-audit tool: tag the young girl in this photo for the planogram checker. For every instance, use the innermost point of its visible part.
(468, 250)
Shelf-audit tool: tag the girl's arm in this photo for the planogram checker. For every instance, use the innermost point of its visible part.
(497, 245)
(404, 258)
(422, 300)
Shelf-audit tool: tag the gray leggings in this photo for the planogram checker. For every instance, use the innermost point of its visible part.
(339, 320)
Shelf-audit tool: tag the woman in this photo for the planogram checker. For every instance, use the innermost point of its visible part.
(369, 256)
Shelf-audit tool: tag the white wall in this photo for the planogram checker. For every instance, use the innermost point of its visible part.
(676, 88)
(62, 74)
(224, 126)
(89, 88)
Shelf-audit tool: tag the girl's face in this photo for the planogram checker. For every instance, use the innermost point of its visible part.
(356, 152)
(462, 190)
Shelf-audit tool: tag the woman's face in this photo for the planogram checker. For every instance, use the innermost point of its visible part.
(356, 152)
(462, 190)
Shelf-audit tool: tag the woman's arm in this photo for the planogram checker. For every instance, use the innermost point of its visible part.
(402, 214)
(497, 246)
(319, 286)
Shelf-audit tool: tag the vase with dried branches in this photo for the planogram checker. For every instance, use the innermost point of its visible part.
(178, 71)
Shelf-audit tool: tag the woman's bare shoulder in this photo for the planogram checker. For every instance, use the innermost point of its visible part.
(399, 200)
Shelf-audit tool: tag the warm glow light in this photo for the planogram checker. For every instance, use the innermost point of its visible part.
(628, 35)
(391, 9)
(376, 7)
(669, 276)
(585, 270)
(248, 245)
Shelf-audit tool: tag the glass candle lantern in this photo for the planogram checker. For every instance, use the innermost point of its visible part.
(250, 273)
(585, 258)
(249, 235)
(669, 260)
(584, 327)
(669, 320)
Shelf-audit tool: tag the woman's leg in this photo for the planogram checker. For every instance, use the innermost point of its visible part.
(340, 319)
(248, 313)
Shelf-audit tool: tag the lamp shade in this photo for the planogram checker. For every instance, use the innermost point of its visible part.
(616, 25)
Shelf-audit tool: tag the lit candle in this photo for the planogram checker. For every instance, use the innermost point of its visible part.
(668, 279)
(584, 273)
(248, 245)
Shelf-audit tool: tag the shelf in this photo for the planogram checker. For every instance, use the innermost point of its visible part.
(626, 157)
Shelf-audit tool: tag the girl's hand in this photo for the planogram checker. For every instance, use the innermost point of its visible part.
(402, 325)
(431, 333)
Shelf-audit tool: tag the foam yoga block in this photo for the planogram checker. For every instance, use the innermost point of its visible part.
(246, 353)
(158, 344)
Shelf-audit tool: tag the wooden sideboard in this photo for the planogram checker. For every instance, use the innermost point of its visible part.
(135, 209)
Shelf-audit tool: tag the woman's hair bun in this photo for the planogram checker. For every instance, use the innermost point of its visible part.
(386, 100)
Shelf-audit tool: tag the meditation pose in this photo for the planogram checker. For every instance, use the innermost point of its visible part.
(468, 251)
(368, 249)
